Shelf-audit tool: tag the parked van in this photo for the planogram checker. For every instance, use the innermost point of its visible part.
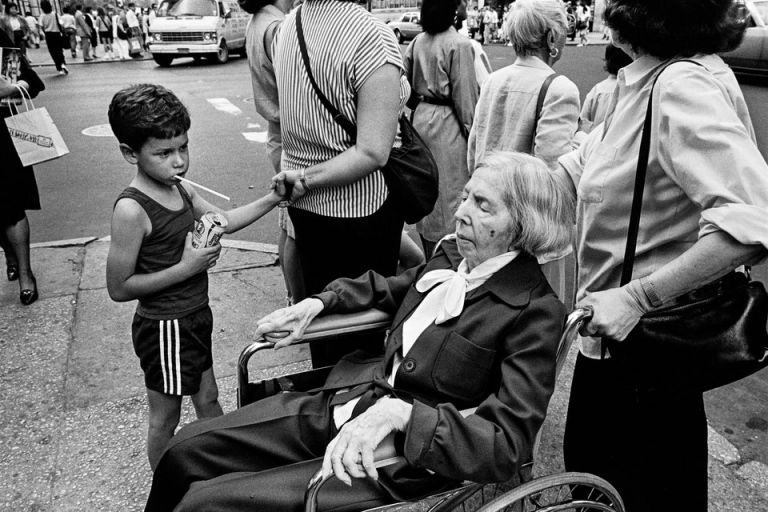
(197, 28)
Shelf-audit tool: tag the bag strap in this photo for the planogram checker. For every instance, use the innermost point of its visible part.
(540, 104)
(25, 98)
(342, 121)
(642, 166)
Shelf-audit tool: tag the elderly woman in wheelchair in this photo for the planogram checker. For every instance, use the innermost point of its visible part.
(475, 327)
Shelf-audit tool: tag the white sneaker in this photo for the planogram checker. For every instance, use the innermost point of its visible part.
(64, 69)
(61, 72)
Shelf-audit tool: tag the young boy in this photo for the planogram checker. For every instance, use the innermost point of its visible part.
(151, 258)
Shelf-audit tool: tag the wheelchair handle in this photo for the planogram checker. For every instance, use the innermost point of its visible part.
(572, 325)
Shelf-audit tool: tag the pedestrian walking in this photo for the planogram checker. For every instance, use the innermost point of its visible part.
(703, 214)
(34, 30)
(439, 64)
(68, 24)
(582, 23)
(104, 24)
(84, 31)
(120, 32)
(54, 36)
(18, 27)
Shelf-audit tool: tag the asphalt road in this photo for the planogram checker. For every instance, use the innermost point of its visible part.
(77, 191)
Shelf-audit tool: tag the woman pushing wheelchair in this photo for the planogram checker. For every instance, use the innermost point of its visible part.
(477, 326)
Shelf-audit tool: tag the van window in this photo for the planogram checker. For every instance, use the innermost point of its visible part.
(193, 8)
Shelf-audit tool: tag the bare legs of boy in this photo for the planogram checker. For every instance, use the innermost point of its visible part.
(165, 410)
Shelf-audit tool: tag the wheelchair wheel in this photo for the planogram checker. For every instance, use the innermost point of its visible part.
(577, 492)
(467, 498)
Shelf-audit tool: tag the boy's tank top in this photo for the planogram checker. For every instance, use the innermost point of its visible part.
(163, 248)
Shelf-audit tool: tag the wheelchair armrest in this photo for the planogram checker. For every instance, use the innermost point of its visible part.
(323, 328)
(384, 455)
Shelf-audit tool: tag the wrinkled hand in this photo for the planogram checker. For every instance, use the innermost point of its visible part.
(289, 180)
(616, 312)
(201, 259)
(350, 454)
(286, 326)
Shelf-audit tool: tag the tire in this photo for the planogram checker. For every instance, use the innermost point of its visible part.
(221, 56)
(564, 491)
(162, 60)
(399, 36)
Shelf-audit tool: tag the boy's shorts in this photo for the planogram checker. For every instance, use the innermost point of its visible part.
(174, 353)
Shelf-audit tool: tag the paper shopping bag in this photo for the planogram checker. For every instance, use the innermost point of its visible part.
(35, 136)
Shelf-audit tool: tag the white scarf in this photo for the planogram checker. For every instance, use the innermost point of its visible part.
(446, 300)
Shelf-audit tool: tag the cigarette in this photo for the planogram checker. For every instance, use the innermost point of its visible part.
(201, 187)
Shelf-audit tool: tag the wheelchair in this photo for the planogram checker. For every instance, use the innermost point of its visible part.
(559, 492)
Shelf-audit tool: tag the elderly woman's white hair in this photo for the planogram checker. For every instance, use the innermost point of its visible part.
(530, 22)
(543, 213)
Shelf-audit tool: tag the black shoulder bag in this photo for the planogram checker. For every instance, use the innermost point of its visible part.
(707, 338)
(411, 171)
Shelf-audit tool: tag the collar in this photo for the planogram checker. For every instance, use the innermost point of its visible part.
(641, 68)
(512, 284)
(531, 61)
(272, 9)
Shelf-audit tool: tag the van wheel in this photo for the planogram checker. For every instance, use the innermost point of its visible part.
(163, 60)
(221, 56)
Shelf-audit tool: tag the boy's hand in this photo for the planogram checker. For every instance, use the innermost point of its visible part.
(199, 260)
(290, 180)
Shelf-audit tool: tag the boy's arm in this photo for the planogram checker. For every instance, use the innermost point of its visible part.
(238, 217)
(130, 225)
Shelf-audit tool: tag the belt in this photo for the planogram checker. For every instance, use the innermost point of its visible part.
(445, 102)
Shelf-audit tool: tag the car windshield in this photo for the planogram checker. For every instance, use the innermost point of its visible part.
(193, 8)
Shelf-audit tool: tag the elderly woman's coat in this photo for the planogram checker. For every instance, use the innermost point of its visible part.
(498, 355)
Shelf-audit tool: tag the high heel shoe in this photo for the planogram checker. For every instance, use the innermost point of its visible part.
(12, 271)
(27, 297)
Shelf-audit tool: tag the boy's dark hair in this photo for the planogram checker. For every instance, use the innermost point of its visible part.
(254, 6)
(437, 15)
(672, 28)
(141, 111)
(615, 59)
(46, 6)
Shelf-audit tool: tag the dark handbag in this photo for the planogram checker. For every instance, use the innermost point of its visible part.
(410, 172)
(712, 336)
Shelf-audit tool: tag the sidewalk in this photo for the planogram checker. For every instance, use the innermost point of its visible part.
(72, 399)
(41, 57)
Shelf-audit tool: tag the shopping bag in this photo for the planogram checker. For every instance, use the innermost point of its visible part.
(34, 134)
(134, 46)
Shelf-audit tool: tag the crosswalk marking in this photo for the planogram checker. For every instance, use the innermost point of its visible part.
(224, 105)
(260, 137)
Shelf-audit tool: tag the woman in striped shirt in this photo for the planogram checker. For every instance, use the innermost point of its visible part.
(345, 221)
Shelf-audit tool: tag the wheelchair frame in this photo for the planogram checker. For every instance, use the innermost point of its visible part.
(553, 492)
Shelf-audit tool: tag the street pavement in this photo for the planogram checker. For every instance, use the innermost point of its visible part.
(72, 401)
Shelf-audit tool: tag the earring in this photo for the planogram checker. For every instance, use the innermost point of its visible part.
(554, 52)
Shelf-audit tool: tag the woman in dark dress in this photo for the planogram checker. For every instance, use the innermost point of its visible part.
(18, 192)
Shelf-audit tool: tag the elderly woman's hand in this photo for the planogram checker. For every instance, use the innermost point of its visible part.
(616, 311)
(7, 89)
(286, 326)
(350, 454)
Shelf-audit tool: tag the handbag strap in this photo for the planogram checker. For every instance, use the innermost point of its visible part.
(642, 166)
(342, 121)
(540, 104)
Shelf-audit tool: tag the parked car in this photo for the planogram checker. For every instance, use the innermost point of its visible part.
(407, 27)
(751, 57)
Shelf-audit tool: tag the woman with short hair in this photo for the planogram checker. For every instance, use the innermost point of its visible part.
(704, 213)
(440, 65)
(505, 117)
(476, 326)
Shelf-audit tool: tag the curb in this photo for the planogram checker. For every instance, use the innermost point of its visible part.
(229, 244)
(95, 61)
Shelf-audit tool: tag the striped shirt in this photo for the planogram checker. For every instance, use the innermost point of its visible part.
(346, 45)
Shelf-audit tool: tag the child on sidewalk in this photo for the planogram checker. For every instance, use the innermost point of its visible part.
(151, 258)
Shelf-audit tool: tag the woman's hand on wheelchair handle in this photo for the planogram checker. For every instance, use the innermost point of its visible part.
(287, 325)
(616, 311)
(350, 454)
